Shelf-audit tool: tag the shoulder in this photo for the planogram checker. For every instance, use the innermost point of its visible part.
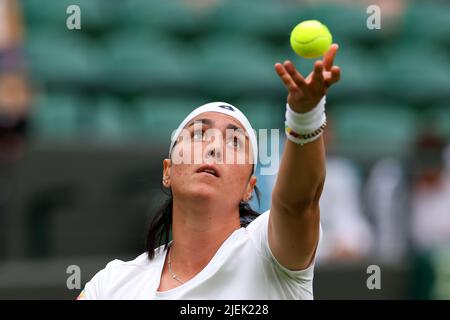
(257, 231)
(117, 269)
(141, 262)
(115, 275)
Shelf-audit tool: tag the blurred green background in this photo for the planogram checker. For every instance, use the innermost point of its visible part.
(83, 181)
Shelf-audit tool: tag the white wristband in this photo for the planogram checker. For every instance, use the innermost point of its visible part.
(307, 122)
(305, 127)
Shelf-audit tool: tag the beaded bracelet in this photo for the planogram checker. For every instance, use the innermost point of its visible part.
(303, 138)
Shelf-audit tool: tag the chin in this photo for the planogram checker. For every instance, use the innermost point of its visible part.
(203, 192)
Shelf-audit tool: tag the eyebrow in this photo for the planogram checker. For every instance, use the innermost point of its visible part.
(210, 123)
(207, 122)
(232, 126)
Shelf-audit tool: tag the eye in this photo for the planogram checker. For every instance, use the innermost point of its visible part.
(235, 142)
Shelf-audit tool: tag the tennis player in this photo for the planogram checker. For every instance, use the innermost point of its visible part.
(220, 247)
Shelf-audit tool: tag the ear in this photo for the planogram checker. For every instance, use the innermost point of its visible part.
(167, 164)
(249, 190)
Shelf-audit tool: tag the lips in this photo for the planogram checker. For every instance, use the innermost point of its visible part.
(210, 169)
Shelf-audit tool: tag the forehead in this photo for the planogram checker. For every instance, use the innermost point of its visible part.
(219, 119)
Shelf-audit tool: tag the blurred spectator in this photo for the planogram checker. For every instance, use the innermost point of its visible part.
(418, 195)
(447, 157)
(14, 102)
(430, 203)
(386, 195)
(15, 94)
(347, 234)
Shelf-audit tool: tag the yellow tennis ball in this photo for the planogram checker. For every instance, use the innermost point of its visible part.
(310, 39)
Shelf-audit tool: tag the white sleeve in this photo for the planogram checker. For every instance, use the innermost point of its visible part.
(258, 230)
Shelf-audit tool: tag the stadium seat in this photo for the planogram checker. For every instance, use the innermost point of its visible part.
(262, 113)
(145, 61)
(256, 18)
(373, 129)
(231, 66)
(70, 117)
(428, 20)
(108, 124)
(62, 58)
(439, 116)
(415, 72)
(155, 118)
(95, 14)
(55, 116)
(175, 16)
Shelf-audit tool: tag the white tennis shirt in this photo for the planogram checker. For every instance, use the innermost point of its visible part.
(243, 268)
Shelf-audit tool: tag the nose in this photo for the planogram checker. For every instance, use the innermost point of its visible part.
(213, 151)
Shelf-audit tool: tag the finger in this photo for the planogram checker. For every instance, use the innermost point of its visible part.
(335, 71)
(295, 74)
(285, 77)
(328, 59)
(333, 76)
(317, 76)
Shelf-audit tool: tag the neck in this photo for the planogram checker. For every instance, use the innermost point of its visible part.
(199, 229)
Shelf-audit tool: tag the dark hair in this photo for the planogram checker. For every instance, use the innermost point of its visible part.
(160, 228)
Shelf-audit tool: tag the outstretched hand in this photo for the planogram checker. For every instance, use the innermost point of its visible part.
(305, 93)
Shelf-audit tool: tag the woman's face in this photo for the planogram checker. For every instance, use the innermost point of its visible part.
(211, 159)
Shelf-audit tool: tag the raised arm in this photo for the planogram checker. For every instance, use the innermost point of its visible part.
(295, 216)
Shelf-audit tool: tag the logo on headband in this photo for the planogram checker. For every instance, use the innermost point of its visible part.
(227, 107)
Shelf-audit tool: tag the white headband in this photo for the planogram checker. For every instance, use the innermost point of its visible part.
(225, 108)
